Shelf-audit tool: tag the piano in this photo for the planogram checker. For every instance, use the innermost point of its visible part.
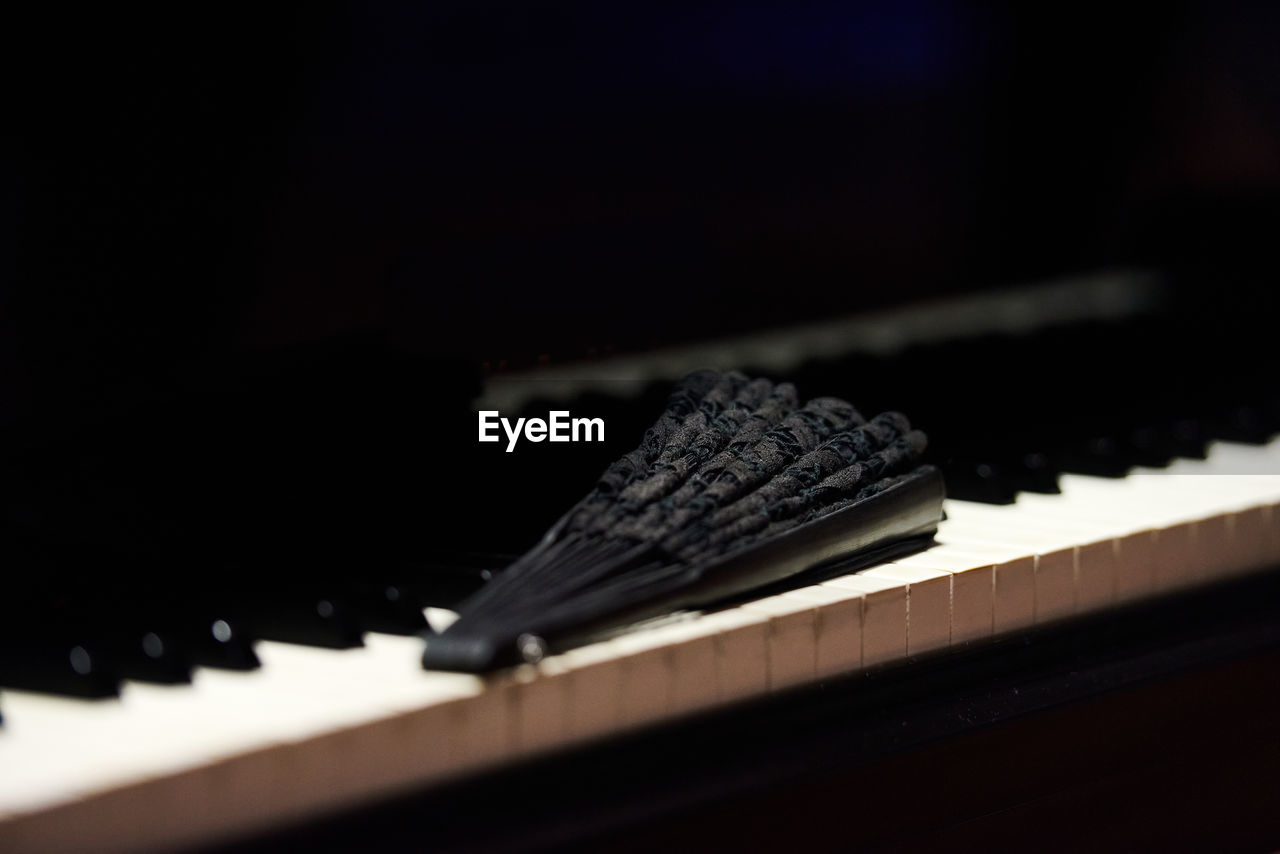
(315, 728)
(233, 509)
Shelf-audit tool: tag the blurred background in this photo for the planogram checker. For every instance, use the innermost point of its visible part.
(258, 265)
(282, 247)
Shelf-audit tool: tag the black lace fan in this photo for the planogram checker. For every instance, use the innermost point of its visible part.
(736, 489)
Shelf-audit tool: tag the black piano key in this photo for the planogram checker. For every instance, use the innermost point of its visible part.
(67, 667)
(137, 626)
(222, 641)
(396, 607)
(152, 654)
(978, 481)
(1244, 422)
(1017, 468)
(1189, 438)
(1150, 446)
(389, 608)
(1100, 456)
(315, 620)
(1270, 409)
(446, 586)
(1035, 471)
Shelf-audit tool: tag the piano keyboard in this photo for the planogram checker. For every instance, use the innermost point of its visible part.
(316, 729)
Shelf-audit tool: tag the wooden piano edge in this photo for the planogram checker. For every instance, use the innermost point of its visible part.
(293, 782)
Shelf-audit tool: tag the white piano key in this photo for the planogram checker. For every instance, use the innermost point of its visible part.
(972, 588)
(226, 724)
(693, 664)
(1097, 565)
(539, 718)
(221, 711)
(1179, 521)
(1252, 540)
(1012, 579)
(838, 630)
(1235, 542)
(48, 752)
(663, 669)
(1013, 605)
(683, 654)
(594, 689)
(1053, 565)
(1137, 550)
(741, 668)
(790, 644)
(1177, 564)
(928, 605)
(884, 616)
(1042, 515)
(1094, 556)
(1234, 458)
(369, 683)
(1212, 539)
(1171, 553)
(1136, 578)
(646, 678)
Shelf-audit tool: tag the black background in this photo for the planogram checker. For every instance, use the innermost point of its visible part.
(257, 262)
(495, 181)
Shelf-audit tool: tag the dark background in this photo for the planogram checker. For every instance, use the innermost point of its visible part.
(254, 260)
(255, 263)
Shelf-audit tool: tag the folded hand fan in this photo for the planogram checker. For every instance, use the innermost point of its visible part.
(737, 489)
